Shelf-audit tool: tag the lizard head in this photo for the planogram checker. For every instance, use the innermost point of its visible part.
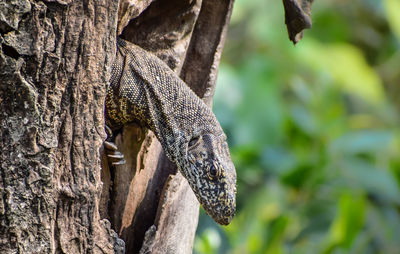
(212, 176)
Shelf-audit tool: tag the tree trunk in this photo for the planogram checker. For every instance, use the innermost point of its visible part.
(55, 60)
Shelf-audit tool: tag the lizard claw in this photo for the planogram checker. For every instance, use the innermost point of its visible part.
(117, 155)
(120, 162)
(116, 160)
(110, 146)
(111, 150)
(108, 131)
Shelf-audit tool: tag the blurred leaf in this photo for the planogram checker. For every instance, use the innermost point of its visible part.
(348, 222)
(278, 160)
(392, 8)
(209, 242)
(376, 181)
(384, 228)
(276, 235)
(254, 242)
(347, 67)
(304, 119)
(297, 177)
(366, 141)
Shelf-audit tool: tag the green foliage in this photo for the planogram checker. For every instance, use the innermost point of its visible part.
(391, 8)
(313, 131)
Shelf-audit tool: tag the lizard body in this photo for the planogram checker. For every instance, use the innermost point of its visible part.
(143, 89)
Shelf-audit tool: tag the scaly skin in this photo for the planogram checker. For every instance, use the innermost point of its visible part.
(143, 89)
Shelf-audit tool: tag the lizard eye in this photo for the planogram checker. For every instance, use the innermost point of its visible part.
(213, 171)
(193, 141)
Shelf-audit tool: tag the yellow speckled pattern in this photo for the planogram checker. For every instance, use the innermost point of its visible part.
(143, 89)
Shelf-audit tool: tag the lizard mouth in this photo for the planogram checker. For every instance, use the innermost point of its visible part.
(223, 213)
(225, 221)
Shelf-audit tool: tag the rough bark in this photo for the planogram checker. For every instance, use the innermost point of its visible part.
(152, 207)
(55, 59)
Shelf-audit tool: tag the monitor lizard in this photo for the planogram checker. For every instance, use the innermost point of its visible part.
(143, 89)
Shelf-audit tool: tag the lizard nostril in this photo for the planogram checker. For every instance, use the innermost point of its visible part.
(193, 141)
